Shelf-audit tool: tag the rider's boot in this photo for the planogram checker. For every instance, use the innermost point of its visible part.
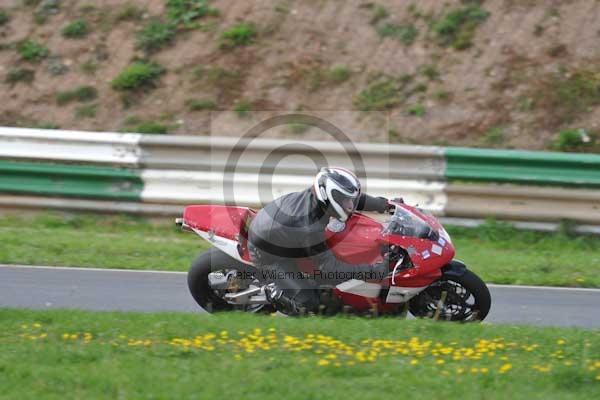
(283, 303)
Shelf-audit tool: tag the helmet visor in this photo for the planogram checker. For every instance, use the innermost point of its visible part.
(346, 202)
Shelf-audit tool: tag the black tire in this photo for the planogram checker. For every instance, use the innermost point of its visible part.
(424, 305)
(211, 260)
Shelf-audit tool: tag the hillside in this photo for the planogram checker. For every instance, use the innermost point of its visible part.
(495, 73)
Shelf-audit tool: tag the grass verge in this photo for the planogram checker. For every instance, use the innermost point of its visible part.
(128, 355)
(497, 252)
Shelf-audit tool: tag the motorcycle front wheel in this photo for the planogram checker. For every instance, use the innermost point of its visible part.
(453, 298)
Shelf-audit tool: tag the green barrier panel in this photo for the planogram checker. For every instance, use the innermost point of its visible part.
(70, 180)
(541, 168)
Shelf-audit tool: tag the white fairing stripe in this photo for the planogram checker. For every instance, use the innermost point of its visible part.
(399, 294)
(360, 288)
(228, 246)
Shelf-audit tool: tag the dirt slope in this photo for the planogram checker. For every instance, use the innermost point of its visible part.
(511, 74)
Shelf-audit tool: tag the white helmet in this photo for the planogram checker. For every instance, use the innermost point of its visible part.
(338, 189)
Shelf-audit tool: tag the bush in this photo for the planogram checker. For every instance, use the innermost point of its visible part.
(405, 33)
(201, 105)
(86, 111)
(32, 51)
(242, 108)
(418, 110)
(138, 75)
(241, 34)
(76, 29)
(339, 74)
(494, 136)
(129, 12)
(4, 17)
(457, 28)
(81, 94)
(149, 127)
(155, 35)
(573, 140)
(186, 11)
(430, 71)
(20, 75)
(379, 96)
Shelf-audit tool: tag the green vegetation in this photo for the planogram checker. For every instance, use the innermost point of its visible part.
(494, 136)
(139, 75)
(339, 74)
(183, 355)
(384, 93)
(89, 67)
(430, 71)
(495, 251)
(574, 140)
(442, 95)
(242, 108)
(418, 110)
(151, 127)
(457, 28)
(404, 33)
(201, 105)
(76, 29)
(4, 17)
(32, 51)
(185, 12)
(568, 95)
(155, 35)
(242, 34)
(20, 75)
(86, 111)
(378, 13)
(129, 12)
(81, 93)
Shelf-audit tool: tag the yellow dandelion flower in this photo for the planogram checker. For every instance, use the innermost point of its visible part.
(337, 364)
(460, 371)
(414, 361)
(43, 336)
(598, 377)
(65, 336)
(440, 362)
(505, 368)
(474, 370)
(484, 370)
(37, 325)
(237, 357)
(561, 341)
(323, 362)
(74, 336)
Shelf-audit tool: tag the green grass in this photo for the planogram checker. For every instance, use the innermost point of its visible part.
(20, 75)
(185, 12)
(76, 30)
(4, 17)
(201, 105)
(381, 95)
(155, 35)
(498, 253)
(457, 27)
(133, 355)
(242, 34)
(32, 51)
(138, 75)
(573, 140)
(404, 33)
(81, 94)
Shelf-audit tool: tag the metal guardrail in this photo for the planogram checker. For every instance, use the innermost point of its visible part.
(114, 171)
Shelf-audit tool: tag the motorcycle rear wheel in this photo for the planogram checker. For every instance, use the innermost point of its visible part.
(214, 260)
(467, 299)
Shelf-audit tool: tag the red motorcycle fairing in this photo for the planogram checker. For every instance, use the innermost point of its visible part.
(225, 227)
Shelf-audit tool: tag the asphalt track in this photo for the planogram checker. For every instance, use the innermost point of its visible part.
(126, 290)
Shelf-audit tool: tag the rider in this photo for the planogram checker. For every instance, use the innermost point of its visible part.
(292, 228)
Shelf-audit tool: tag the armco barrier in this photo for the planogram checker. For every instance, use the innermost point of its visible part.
(163, 172)
(69, 181)
(526, 167)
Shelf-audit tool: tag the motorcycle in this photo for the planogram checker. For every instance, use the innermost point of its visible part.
(424, 277)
